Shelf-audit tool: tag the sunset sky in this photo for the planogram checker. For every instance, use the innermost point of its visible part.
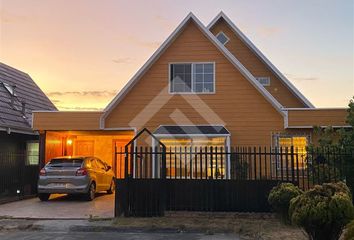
(81, 53)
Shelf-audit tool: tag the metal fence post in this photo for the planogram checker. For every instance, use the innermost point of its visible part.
(292, 164)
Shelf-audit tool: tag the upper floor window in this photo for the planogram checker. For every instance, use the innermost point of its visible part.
(265, 81)
(222, 38)
(192, 78)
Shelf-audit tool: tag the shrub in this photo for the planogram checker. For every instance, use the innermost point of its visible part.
(279, 198)
(323, 211)
(349, 234)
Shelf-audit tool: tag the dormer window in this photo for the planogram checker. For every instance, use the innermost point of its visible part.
(222, 38)
(265, 81)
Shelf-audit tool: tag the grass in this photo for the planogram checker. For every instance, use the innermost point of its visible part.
(247, 226)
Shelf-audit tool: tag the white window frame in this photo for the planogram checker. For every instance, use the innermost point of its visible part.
(259, 78)
(192, 78)
(227, 38)
(287, 135)
(28, 163)
(155, 164)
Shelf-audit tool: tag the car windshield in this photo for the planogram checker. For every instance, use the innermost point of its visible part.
(65, 162)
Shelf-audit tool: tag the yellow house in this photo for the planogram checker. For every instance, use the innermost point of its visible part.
(204, 86)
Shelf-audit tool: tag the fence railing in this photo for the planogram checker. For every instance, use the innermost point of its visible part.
(289, 164)
(18, 177)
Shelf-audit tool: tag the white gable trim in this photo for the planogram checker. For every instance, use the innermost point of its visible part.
(248, 43)
(169, 41)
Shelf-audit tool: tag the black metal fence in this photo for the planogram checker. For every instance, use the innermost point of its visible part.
(18, 178)
(220, 179)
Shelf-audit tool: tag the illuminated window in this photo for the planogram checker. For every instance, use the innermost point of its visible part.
(32, 150)
(298, 142)
(185, 157)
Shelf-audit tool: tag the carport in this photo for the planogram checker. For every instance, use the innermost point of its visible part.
(79, 134)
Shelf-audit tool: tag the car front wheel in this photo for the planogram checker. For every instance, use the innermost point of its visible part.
(44, 196)
(90, 195)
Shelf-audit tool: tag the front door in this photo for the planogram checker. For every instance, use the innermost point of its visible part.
(85, 148)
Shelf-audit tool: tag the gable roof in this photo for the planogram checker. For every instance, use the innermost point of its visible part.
(26, 90)
(233, 60)
(260, 55)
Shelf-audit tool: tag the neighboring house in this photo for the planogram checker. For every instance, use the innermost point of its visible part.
(204, 86)
(19, 144)
(19, 96)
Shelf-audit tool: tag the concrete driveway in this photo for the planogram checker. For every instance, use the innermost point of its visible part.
(61, 207)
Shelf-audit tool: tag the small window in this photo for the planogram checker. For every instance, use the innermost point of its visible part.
(9, 88)
(32, 155)
(65, 162)
(192, 78)
(265, 81)
(222, 38)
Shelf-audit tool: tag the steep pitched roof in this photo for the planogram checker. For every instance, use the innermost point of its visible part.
(26, 90)
(167, 43)
(260, 55)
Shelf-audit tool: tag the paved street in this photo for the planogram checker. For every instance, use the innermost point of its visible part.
(61, 206)
(33, 235)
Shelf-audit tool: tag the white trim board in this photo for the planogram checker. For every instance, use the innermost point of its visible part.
(10, 130)
(191, 135)
(168, 42)
(260, 55)
(313, 109)
(309, 127)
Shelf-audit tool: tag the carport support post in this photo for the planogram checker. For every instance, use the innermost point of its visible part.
(42, 136)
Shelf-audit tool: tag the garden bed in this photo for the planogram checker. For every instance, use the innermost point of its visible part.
(246, 225)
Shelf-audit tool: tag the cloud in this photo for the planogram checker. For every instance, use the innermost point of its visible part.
(134, 40)
(55, 101)
(123, 60)
(104, 93)
(7, 17)
(79, 108)
(300, 78)
(145, 44)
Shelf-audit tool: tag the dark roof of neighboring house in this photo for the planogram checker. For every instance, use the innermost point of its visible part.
(192, 130)
(25, 90)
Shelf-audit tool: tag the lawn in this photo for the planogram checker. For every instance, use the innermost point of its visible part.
(246, 225)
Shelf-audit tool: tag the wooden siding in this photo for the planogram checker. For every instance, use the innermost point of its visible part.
(317, 117)
(237, 104)
(66, 120)
(256, 66)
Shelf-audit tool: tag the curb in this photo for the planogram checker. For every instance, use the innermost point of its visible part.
(142, 230)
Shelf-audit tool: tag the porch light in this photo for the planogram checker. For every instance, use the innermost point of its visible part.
(69, 141)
